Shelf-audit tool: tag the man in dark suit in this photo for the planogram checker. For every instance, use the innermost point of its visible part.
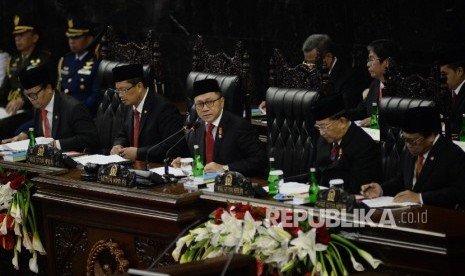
(432, 168)
(234, 143)
(343, 150)
(77, 70)
(343, 79)
(26, 35)
(148, 119)
(453, 65)
(57, 116)
(379, 52)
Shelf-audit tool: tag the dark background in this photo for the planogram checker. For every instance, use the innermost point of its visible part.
(420, 27)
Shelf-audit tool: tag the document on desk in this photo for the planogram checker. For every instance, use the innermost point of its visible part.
(386, 202)
(171, 170)
(100, 159)
(24, 144)
(4, 114)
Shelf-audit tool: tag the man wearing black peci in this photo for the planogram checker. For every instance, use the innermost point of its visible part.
(343, 150)
(226, 141)
(58, 116)
(432, 168)
(148, 119)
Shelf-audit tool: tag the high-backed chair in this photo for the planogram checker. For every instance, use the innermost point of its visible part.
(232, 73)
(110, 110)
(291, 133)
(391, 114)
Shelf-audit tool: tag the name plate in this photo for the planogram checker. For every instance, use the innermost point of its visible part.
(234, 183)
(116, 174)
(335, 198)
(45, 155)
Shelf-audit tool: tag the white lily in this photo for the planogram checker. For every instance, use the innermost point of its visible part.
(369, 258)
(18, 244)
(15, 212)
(3, 229)
(26, 240)
(304, 245)
(17, 230)
(14, 261)
(37, 244)
(250, 227)
(357, 266)
(180, 244)
(33, 263)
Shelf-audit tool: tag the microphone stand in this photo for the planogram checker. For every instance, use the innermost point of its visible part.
(147, 165)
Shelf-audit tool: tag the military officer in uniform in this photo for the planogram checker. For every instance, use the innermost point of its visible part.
(77, 70)
(26, 37)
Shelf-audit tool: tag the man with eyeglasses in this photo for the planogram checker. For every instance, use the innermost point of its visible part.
(148, 119)
(379, 52)
(226, 141)
(432, 168)
(343, 149)
(62, 118)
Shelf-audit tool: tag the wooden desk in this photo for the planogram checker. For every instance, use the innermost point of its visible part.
(77, 214)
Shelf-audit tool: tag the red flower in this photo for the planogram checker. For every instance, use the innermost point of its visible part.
(17, 182)
(217, 215)
(322, 235)
(259, 267)
(7, 241)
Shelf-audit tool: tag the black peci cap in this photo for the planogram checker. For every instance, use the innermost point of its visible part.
(328, 106)
(205, 86)
(127, 72)
(35, 76)
(421, 119)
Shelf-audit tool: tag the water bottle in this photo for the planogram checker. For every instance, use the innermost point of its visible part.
(274, 180)
(32, 140)
(198, 164)
(313, 188)
(374, 123)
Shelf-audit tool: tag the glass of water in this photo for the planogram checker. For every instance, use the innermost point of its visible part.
(186, 167)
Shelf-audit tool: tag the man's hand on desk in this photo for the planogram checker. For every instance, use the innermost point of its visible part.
(176, 163)
(371, 190)
(365, 122)
(19, 137)
(14, 105)
(213, 167)
(407, 196)
(127, 153)
(262, 107)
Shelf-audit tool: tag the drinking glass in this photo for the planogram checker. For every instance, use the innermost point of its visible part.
(186, 167)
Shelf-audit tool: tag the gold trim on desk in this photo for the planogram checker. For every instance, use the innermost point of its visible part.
(33, 168)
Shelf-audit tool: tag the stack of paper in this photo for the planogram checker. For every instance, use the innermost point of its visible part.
(100, 159)
(386, 202)
(24, 144)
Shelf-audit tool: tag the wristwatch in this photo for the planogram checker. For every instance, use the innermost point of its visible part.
(225, 168)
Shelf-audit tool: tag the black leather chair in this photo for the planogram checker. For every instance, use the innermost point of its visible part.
(391, 114)
(291, 136)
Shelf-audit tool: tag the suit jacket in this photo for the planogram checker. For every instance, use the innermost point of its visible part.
(342, 80)
(358, 164)
(72, 124)
(442, 179)
(365, 108)
(78, 78)
(237, 146)
(158, 120)
(457, 111)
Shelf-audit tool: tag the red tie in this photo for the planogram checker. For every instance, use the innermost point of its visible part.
(45, 122)
(209, 143)
(380, 94)
(136, 128)
(420, 159)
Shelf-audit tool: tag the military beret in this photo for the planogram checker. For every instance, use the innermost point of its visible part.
(127, 72)
(78, 27)
(421, 119)
(205, 86)
(328, 106)
(35, 76)
(24, 23)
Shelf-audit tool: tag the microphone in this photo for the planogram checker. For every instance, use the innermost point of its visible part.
(186, 126)
(189, 128)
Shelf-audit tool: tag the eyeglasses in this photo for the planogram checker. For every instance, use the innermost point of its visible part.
(308, 63)
(124, 90)
(412, 142)
(33, 96)
(323, 128)
(371, 59)
(200, 105)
